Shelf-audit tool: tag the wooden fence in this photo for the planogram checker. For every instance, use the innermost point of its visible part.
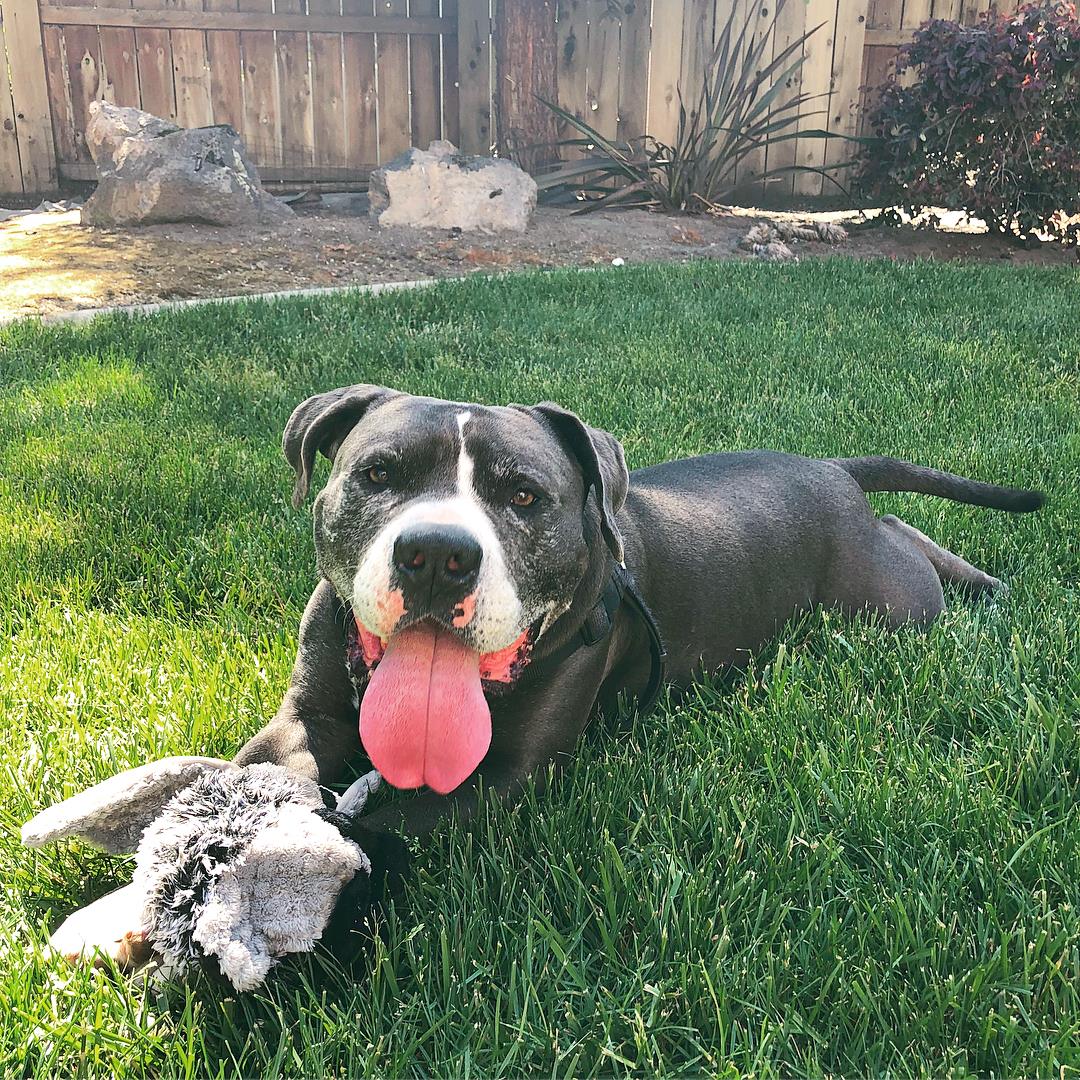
(324, 90)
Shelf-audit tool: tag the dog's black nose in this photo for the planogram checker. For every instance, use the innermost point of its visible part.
(437, 562)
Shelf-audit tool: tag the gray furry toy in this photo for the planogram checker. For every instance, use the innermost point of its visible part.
(235, 867)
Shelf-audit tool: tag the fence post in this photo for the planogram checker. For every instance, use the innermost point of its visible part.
(526, 75)
(33, 116)
(474, 75)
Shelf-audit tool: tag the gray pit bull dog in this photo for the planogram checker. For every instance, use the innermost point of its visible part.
(477, 600)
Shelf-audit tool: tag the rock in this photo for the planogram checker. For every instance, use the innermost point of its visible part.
(773, 251)
(150, 171)
(108, 126)
(440, 188)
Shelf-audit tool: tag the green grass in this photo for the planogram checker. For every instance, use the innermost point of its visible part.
(862, 857)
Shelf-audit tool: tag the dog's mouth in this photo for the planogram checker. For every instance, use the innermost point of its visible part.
(424, 718)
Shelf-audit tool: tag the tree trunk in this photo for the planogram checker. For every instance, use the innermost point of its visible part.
(526, 48)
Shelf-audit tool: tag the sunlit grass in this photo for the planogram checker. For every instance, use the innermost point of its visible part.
(861, 857)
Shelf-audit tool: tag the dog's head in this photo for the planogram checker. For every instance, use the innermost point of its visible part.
(481, 520)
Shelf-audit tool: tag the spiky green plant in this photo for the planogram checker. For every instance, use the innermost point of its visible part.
(740, 107)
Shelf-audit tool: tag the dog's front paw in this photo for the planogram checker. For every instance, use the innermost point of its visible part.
(108, 929)
(352, 923)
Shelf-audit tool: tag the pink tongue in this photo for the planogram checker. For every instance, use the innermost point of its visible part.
(423, 717)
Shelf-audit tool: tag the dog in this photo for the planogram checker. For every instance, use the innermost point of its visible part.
(490, 577)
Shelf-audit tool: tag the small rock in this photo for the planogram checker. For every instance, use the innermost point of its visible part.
(439, 188)
(150, 171)
(831, 233)
(773, 251)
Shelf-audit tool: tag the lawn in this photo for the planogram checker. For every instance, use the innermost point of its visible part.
(862, 856)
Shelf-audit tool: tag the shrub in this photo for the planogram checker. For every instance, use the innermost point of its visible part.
(990, 124)
(743, 102)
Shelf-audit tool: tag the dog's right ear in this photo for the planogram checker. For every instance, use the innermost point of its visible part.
(320, 424)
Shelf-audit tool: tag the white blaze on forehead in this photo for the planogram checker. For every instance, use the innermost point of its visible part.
(464, 462)
(498, 618)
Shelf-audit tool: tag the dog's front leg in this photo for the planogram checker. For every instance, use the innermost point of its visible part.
(315, 732)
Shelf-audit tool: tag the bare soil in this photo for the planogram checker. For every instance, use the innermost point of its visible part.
(50, 263)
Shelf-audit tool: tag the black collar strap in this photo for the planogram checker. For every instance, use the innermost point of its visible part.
(620, 588)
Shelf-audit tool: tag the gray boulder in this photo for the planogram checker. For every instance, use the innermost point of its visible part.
(440, 188)
(151, 171)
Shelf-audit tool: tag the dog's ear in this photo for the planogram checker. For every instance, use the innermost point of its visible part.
(113, 814)
(602, 464)
(320, 424)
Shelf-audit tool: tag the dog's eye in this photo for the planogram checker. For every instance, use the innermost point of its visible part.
(378, 474)
(523, 497)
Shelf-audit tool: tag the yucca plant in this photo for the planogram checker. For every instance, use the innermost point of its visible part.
(740, 107)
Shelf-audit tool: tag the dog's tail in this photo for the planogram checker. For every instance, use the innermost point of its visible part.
(892, 474)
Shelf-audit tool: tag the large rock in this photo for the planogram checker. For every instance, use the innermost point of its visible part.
(439, 188)
(150, 170)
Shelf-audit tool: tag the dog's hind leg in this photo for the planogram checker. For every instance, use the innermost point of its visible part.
(950, 567)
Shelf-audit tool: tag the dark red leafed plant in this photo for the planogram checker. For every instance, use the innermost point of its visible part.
(989, 125)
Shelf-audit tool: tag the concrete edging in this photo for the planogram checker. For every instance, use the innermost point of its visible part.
(89, 314)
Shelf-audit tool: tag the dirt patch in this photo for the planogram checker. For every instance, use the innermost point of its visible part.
(50, 263)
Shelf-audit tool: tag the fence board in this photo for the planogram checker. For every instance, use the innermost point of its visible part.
(697, 44)
(816, 79)
(790, 24)
(294, 90)
(157, 87)
(63, 122)
(425, 80)
(884, 14)
(448, 50)
(846, 81)
(191, 70)
(327, 91)
(10, 169)
(262, 121)
(664, 69)
(82, 56)
(474, 75)
(970, 11)
(30, 91)
(879, 61)
(573, 58)
(119, 65)
(602, 69)
(361, 121)
(749, 171)
(915, 13)
(191, 74)
(392, 57)
(82, 52)
(226, 64)
(634, 68)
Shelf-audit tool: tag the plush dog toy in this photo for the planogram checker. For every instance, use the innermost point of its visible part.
(234, 866)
